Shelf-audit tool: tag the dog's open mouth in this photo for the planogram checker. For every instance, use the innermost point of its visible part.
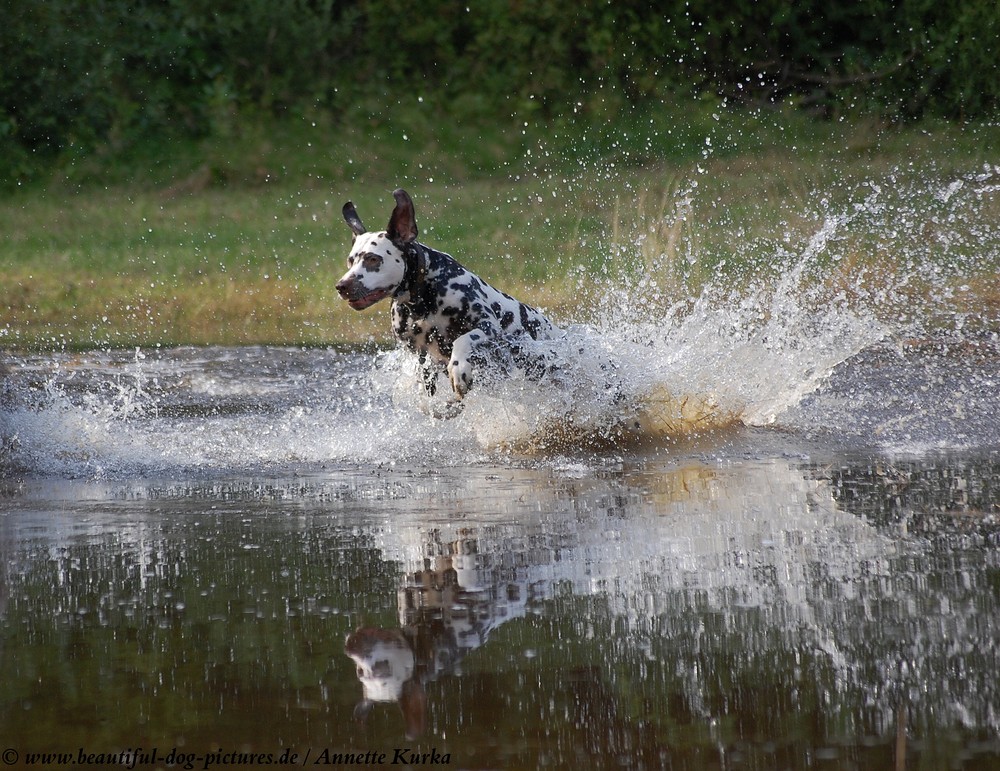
(360, 303)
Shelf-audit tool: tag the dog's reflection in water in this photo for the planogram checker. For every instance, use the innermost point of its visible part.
(387, 669)
(446, 610)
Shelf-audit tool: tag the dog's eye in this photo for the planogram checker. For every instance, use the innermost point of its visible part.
(372, 262)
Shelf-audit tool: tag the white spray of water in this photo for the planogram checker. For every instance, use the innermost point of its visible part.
(752, 353)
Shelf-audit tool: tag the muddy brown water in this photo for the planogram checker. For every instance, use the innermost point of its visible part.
(219, 557)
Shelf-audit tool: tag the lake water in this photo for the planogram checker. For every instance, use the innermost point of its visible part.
(193, 540)
(754, 529)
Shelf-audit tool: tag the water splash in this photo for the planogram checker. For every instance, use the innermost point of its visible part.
(753, 350)
(661, 360)
(895, 260)
(69, 416)
(682, 365)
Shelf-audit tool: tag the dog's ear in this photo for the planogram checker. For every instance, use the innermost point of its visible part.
(402, 227)
(353, 220)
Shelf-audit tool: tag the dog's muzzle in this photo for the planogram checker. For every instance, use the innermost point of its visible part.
(358, 296)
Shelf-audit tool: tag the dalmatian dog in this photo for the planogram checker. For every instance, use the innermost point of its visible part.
(452, 319)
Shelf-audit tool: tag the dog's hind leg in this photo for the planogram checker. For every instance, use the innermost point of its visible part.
(428, 373)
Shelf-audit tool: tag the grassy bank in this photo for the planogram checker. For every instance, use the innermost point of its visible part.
(239, 240)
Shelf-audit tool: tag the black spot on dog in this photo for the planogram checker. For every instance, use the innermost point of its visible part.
(530, 322)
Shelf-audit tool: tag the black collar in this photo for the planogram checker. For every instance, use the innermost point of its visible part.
(415, 273)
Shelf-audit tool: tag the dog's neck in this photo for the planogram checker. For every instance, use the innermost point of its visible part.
(415, 256)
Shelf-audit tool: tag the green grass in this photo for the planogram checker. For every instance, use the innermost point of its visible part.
(239, 239)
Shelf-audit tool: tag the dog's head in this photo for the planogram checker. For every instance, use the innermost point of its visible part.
(376, 266)
(386, 667)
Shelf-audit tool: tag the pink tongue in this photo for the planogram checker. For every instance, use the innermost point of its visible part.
(369, 299)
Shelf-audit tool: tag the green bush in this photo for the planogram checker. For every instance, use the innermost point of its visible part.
(955, 68)
(79, 75)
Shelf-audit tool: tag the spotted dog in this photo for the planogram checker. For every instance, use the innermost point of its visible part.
(452, 319)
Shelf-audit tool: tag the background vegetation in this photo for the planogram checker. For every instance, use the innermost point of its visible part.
(172, 171)
(85, 74)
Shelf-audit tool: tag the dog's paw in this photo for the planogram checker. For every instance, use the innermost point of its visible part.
(448, 410)
(460, 375)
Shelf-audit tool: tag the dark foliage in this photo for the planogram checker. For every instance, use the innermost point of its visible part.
(81, 74)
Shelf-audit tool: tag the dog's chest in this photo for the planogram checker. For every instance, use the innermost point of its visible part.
(425, 334)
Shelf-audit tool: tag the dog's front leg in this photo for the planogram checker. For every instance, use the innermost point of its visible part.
(463, 353)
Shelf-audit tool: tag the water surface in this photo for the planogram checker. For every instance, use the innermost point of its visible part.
(193, 540)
